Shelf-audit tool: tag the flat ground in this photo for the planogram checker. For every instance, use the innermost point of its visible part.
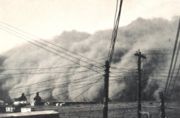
(116, 110)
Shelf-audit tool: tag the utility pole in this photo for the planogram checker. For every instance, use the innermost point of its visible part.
(106, 90)
(162, 107)
(140, 56)
(110, 56)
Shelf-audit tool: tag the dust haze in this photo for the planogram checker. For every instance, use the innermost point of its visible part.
(56, 77)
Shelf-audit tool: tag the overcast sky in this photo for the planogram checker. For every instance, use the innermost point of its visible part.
(47, 18)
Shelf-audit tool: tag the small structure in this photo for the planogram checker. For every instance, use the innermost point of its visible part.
(22, 98)
(18, 104)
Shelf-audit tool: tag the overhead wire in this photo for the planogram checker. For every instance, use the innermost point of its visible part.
(115, 29)
(175, 63)
(56, 53)
(40, 82)
(172, 61)
(56, 86)
(67, 52)
(61, 84)
(24, 73)
(86, 90)
(40, 68)
(174, 82)
(77, 88)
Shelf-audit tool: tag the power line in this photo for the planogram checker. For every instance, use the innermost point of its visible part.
(42, 68)
(62, 85)
(175, 79)
(86, 90)
(56, 53)
(77, 88)
(115, 29)
(175, 62)
(40, 82)
(172, 61)
(31, 73)
(67, 52)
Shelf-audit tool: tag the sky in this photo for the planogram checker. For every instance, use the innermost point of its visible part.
(48, 18)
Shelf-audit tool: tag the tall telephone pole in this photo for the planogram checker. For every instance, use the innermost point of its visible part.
(162, 107)
(110, 56)
(140, 56)
(106, 90)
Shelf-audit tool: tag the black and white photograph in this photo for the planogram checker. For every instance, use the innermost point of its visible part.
(89, 58)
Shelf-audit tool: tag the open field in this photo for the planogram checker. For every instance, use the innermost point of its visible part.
(116, 110)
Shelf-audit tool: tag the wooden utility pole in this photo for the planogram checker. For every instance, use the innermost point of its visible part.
(162, 107)
(106, 90)
(139, 55)
(110, 56)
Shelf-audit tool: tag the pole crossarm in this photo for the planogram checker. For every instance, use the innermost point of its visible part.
(140, 56)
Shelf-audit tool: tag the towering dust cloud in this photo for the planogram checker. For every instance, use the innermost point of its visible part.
(31, 69)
